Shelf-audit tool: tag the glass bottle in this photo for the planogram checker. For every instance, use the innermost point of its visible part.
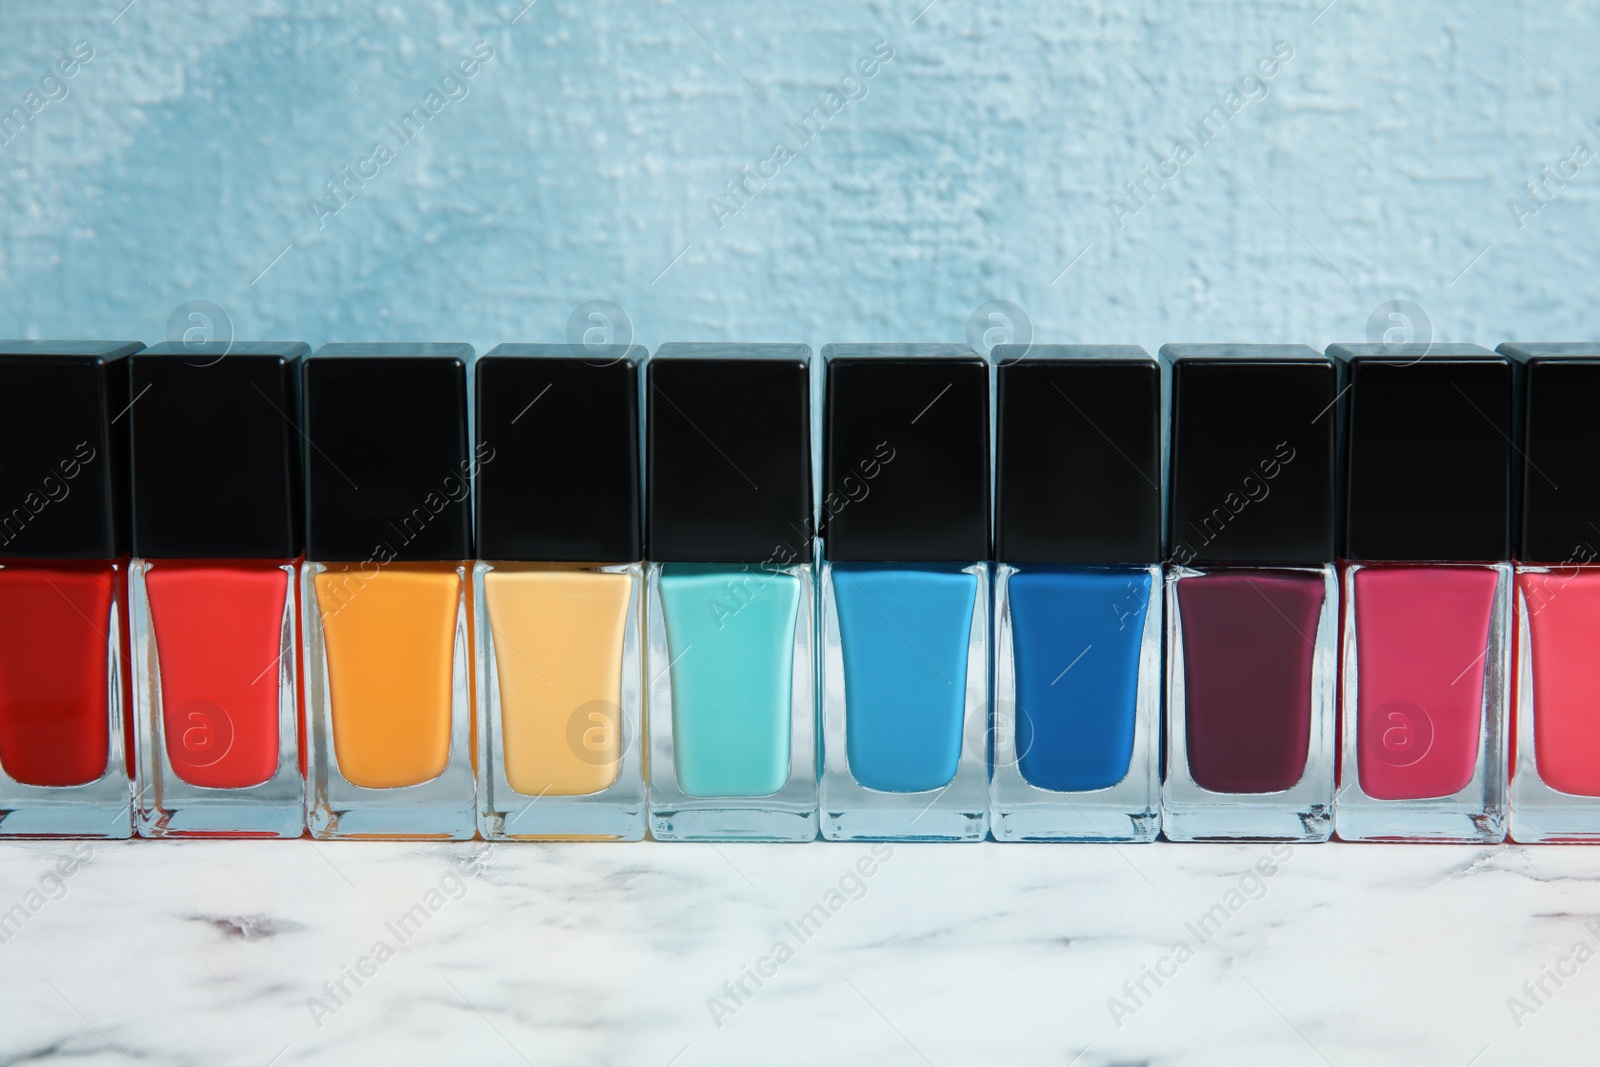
(216, 541)
(1427, 583)
(1554, 733)
(1077, 664)
(729, 588)
(64, 738)
(559, 594)
(905, 593)
(1251, 593)
(387, 591)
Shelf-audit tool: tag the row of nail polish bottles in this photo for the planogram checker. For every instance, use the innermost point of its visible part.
(1340, 537)
(266, 488)
(1241, 622)
(1396, 465)
(897, 659)
(507, 695)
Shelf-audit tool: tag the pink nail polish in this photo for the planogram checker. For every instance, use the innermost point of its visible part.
(1429, 485)
(1555, 725)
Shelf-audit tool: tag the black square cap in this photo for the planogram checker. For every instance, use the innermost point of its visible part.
(388, 466)
(215, 450)
(1560, 512)
(1252, 467)
(558, 435)
(63, 454)
(1077, 454)
(1429, 473)
(906, 446)
(728, 453)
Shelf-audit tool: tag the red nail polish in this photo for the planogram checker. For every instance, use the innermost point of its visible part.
(63, 739)
(215, 464)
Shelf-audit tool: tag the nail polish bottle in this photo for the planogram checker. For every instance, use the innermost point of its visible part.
(730, 585)
(1554, 732)
(387, 591)
(559, 594)
(64, 737)
(1429, 498)
(215, 465)
(1077, 664)
(1252, 593)
(905, 593)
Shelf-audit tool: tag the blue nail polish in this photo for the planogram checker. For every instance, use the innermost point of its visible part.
(1076, 637)
(1077, 618)
(905, 593)
(905, 634)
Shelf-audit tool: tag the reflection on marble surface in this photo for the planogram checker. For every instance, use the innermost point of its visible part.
(263, 953)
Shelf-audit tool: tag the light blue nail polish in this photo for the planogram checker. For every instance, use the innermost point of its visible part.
(905, 594)
(730, 527)
(730, 638)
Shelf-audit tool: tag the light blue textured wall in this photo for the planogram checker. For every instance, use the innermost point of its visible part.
(182, 161)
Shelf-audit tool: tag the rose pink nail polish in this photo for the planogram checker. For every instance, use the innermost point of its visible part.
(1429, 491)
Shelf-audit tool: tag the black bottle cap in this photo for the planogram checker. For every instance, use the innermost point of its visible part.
(1429, 473)
(1077, 454)
(906, 446)
(215, 451)
(1561, 440)
(558, 436)
(388, 469)
(63, 454)
(1252, 467)
(728, 453)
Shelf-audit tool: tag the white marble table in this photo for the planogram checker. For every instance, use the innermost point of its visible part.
(218, 953)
